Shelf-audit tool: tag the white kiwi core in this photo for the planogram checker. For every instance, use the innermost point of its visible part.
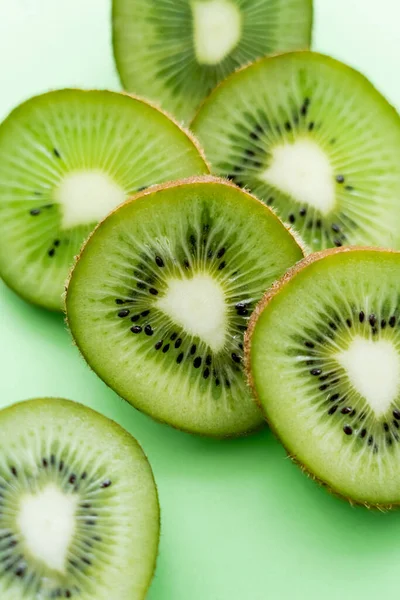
(303, 171)
(217, 27)
(198, 305)
(373, 368)
(87, 197)
(47, 524)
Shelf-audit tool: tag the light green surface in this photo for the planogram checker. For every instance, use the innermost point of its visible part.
(240, 522)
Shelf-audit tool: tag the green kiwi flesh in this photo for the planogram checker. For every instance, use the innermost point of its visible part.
(161, 295)
(176, 51)
(66, 159)
(323, 357)
(79, 514)
(314, 139)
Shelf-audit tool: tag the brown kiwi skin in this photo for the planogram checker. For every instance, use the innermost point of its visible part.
(189, 134)
(206, 179)
(268, 296)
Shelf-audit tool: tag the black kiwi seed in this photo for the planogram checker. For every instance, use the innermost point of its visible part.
(337, 242)
(303, 212)
(72, 479)
(153, 291)
(311, 126)
(372, 320)
(222, 266)
(158, 345)
(235, 358)
(14, 471)
(106, 484)
(123, 313)
(346, 410)
(35, 212)
(173, 336)
(348, 430)
(220, 253)
(119, 301)
(332, 410)
(340, 178)
(315, 372)
(270, 201)
(178, 343)
(141, 285)
(208, 360)
(292, 218)
(396, 414)
(135, 318)
(206, 373)
(180, 358)
(56, 243)
(361, 316)
(334, 397)
(395, 423)
(392, 321)
(193, 349)
(385, 426)
(145, 313)
(324, 387)
(348, 322)
(383, 324)
(166, 348)
(44, 462)
(349, 188)
(370, 440)
(197, 362)
(309, 344)
(56, 152)
(335, 227)
(363, 433)
(159, 261)
(51, 252)
(136, 329)
(148, 330)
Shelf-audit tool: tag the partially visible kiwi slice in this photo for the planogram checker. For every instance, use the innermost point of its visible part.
(66, 159)
(176, 51)
(161, 295)
(323, 356)
(79, 515)
(313, 139)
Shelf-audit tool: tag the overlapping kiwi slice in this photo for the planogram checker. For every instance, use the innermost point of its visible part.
(176, 51)
(323, 356)
(79, 514)
(313, 139)
(66, 159)
(161, 295)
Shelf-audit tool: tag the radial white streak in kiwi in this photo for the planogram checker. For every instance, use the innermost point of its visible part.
(199, 306)
(302, 170)
(373, 368)
(87, 197)
(217, 26)
(47, 524)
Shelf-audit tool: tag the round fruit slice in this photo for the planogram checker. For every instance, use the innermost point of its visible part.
(161, 295)
(297, 130)
(66, 159)
(79, 511)
(176, 51)
(323, 354)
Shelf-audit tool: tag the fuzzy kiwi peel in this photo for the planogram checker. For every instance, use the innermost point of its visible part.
(79, 517)
(198, 194)
(375, 499)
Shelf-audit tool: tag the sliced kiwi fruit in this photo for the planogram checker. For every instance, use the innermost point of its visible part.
(313, 139)
(66, 159)
(176, 51)
(79, 515)
(323, 358)
(161, 295)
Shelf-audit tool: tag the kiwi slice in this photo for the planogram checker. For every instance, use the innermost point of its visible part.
(79, 515)
(313, 139)
(323, 356)
(176, 51)
(162, 293)
(66, 159)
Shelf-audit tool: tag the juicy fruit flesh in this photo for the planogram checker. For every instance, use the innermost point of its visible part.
(170, 298)
(76, 515)
(302, 171)
(198, 306)
(296, 130)
(177, 52)
(66, 159)
(315, 348)
(86, 197)
(46, 521)
(217, 29)
(373, 369)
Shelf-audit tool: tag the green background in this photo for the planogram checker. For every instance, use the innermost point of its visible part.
(239, 521)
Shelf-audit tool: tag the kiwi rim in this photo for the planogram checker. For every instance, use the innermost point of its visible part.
(189, 134)
(206, 179)
(118, 428)
(259, 309)
(367, 83)
(240, 68)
